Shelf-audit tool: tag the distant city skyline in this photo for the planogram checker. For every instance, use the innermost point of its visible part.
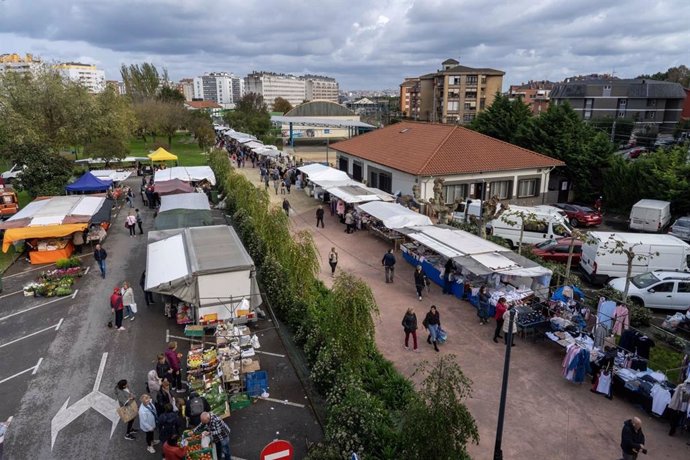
(362, 45)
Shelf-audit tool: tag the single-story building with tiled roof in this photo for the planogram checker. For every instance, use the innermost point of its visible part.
(210, 107)
(474, 166)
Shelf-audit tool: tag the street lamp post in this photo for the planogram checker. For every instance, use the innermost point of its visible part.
(498, 452)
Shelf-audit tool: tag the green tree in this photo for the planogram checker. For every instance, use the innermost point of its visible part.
(437, 424)
(560, 133)
(142, 81)
(679, 74)
(111, 126)
(147, 115)
(199, 123)
(503, 118)
(250, 115)
(281, 105)
(172, 118)
(46, 173)
(170, 95)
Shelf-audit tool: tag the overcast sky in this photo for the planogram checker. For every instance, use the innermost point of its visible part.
(364, 44)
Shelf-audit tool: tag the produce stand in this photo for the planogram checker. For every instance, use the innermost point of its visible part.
(50, 251)
(192, 445)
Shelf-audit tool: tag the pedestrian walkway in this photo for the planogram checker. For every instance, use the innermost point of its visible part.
(546, 416)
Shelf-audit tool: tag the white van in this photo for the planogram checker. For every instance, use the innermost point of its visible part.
(650, 215)
(653, 251)
(464, 211)
(541, 224)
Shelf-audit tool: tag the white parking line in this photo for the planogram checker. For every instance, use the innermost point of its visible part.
(280, 401)
(37, 306)
(270, 354)
(32, 369)
(54, 327)
(11, 293)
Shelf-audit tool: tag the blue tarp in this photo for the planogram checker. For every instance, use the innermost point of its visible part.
(558, 295)
(89, 183)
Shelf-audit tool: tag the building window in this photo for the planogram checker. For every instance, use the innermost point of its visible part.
(453, 106)
(453, 94)
(589, 105)
(502, 189)
(455, 192)
(528, 187)
(467, 117)
(467, 106)
(651, 102)
(606, 92)
(470, 95)
(650, 114)
(454, 80)
(471, 80)
(483, 79)
(482, 103)
(357, 170)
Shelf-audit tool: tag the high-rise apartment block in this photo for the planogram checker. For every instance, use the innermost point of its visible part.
(453, 94)
(237, 88)
(87, 74)
(21, 64)
(186, 87)
(215, 86)
(292, 88)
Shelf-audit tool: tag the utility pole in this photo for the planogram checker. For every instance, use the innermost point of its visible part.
(498, 451)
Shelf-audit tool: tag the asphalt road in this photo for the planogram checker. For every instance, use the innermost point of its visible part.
(72, 356)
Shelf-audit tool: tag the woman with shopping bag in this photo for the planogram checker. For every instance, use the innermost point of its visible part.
(128, 409)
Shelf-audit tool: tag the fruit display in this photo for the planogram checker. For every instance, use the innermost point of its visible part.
(194, 360)
(203, 454)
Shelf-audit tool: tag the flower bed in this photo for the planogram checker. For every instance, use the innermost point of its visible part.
(57, 282)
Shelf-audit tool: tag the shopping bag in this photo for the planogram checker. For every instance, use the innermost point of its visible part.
(441, 336)
(133, 306)
(128, 412)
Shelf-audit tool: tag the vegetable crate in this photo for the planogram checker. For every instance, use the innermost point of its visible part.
(239, 401)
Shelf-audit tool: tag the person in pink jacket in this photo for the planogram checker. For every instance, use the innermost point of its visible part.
(173, 358)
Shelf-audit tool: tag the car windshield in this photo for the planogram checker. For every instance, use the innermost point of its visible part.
(682, 223)
(546, 245)
(585, 209)
(644, 280)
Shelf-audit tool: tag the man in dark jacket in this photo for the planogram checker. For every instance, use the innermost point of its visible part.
(388, 263)
(196, 405)
(632, 439)
(100, 255)
(319, 216)
(148, 295)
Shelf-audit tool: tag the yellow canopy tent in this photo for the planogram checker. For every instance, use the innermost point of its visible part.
(162, 155)
(42, 231)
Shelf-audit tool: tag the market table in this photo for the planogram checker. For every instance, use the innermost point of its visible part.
(47, 257)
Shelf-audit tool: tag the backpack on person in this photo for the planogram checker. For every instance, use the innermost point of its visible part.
(196, 406)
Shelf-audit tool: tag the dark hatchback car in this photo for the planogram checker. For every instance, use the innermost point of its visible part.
(580, 216)
(557, 250)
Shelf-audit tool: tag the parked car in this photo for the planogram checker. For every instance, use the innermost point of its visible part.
(13, 174)
(669, 290)
(681, 228)
(579, 215)
(558, 250)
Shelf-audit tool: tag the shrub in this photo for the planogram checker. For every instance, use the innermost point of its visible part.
(62, 263)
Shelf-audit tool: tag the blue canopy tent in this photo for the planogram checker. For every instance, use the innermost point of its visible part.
(89, 183)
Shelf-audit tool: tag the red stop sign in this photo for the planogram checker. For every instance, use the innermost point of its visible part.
(278, 450)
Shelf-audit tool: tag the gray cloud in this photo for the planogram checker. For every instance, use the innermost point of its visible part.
(364, 44)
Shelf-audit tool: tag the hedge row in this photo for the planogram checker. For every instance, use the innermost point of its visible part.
(368, 401)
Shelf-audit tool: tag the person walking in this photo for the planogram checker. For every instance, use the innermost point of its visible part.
(130, 198)
(319, 216)
(148, 295)
(432, 323)
(501, 308)
(388, 263)
(333, 260)
(286, 206)
(139, 221)
(349, 222)
(219, 432)
(131, 224)
(196, 405)
(165, 396)
(420, 281)
(168, 423)
(128, 301)
(153, 383)
(448, 277)
(506, 325)
(483, 310)
(163, 369)
(275, 185)
(148, 419)
(173, 358)
(100, 255)
(288, 184)
(409, 324)
(632, 439)
(124, 396)
(117, 308)
(266, 182)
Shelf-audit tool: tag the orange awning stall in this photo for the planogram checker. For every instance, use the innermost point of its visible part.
(49, 257)
(43, 231)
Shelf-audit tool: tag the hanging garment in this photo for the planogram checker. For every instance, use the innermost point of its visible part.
(660, 399)
(628, 340)
(572, 350)
(579, 366)
(621, 319)
(605, 313)
(600, 333)
(604, 383)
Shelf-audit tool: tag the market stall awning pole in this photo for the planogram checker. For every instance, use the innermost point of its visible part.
(498, 452)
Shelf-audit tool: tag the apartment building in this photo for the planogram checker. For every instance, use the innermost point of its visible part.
(14, 62)
(87, 74)
(237, 88)
(536, 94)
(649, 103)
(453, 94)
(320, 88)
(118, 86)
(216, 87)
(186, 87)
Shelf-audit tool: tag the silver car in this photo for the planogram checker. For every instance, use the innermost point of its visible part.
(681, 228)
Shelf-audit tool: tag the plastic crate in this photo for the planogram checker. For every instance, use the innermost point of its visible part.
(256, 383)
(239, 402)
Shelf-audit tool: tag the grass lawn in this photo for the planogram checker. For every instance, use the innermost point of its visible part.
(6, 259)
(183, 145)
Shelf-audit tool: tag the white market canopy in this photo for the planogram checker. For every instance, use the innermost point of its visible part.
(186, 174)
(194, 201)
(253, 144)
(56, 210)
(238, 136)
(113, 160)
(358, 193)
(313, 168)
(268, 151)
(393, 215)
(325, 176)
(112, 174)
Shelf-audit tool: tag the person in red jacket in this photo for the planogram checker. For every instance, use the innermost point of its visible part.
(501, 308)
(117, 308)
(171, 451)
(173, 358)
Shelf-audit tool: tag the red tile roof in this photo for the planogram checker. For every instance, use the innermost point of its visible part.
(431, 149)
(202, 105)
